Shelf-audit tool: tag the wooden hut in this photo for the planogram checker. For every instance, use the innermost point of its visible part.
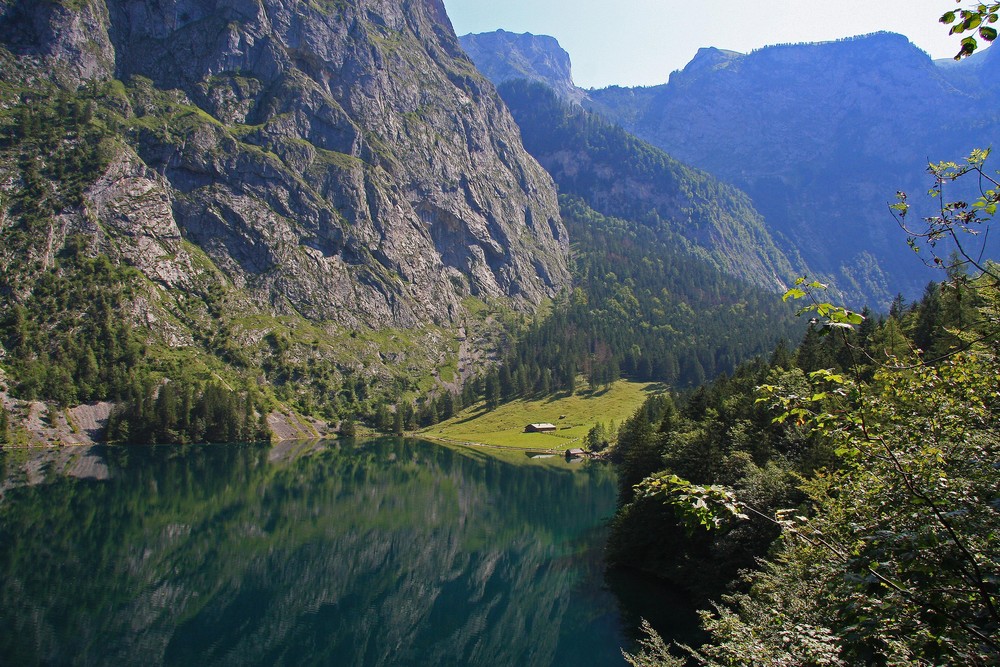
(539, 428)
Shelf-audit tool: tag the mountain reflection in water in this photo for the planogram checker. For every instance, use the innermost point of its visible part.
(384, 552)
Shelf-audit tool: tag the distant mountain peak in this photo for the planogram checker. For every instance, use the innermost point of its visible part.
(507, 56)
(878, 46)
(821, 135)
(708, 58)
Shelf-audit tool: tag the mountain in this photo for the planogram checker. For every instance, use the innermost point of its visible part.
(278, 181)
(618, 175)
(675, 277)
(506, 56)
(820, 136)
(350, 144)
(971, 72)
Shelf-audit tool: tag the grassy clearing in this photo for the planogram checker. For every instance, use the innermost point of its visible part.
(573, 416)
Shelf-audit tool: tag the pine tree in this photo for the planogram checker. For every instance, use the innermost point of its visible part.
(4, 424)
(348, 427)
(492, 391)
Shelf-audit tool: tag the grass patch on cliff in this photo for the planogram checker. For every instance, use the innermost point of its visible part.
(573, 417)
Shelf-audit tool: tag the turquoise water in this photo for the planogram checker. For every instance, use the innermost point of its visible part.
(384, 552)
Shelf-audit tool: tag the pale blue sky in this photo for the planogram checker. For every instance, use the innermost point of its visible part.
(639, 42)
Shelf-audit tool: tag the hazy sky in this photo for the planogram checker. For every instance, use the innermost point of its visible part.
(639, 42)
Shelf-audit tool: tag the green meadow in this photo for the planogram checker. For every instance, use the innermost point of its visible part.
(572, 415)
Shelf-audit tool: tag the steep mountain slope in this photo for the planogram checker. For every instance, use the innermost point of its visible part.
(675, 277)
(279, 173)
(821, 136)
(619, 175)
(324, 139)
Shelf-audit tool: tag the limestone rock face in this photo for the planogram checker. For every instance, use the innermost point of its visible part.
(506, 56)
(64, 40)
(131, 203)
(342, 159)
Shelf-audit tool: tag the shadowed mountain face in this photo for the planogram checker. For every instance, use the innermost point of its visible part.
(619, 174)
(339, 160)
(821, 136)
(622, 176)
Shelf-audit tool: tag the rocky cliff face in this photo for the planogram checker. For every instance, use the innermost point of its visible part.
(505, 56)
(340, 160)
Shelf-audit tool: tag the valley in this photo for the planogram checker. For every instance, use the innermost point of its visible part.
(302, 302)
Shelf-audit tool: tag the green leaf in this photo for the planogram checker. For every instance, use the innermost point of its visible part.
(947, 18)
(794, 293)
(988, 34)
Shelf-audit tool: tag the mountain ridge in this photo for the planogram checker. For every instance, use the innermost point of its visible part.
(821, 136)
(504, 56)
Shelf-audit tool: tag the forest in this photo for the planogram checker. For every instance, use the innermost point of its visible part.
(837, 504)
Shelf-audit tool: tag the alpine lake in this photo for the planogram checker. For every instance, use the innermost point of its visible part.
(374, 552)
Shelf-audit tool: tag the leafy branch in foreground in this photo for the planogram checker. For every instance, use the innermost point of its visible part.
(958, 220)
(975, 22)
(704, 506)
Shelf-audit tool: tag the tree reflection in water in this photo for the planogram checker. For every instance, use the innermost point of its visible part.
(384, 552)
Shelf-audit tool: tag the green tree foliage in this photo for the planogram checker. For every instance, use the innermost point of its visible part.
(959, 225)
(599, 437)
(889, 556)
(4, 424)
(184, 411)
(975, 22)
(67, 341)
(641, 309)
(896, 560)
(60, 149)
(717, 434)
(348, 427)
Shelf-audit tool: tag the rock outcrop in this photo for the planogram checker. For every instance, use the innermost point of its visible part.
(340, 160)
(506, 56)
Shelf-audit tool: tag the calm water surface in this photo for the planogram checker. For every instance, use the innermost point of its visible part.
(385, 552)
